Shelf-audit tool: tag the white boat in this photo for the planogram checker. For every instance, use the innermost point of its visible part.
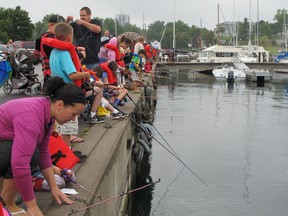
(225, 54)
(280, 74)
(228, 73)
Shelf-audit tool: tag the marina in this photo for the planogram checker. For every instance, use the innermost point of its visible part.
(232, 136)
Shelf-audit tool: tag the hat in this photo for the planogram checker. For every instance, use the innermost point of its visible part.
(56, 19)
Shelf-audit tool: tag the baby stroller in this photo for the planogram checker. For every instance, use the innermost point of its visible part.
(23, 77)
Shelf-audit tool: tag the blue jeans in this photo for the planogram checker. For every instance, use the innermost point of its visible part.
(90, 66)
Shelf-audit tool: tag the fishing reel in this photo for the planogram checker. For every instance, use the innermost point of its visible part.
(88, 85)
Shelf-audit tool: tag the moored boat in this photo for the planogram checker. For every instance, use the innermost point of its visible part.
(228, 73)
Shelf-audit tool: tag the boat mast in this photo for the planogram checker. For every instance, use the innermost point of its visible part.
(285, 30)
(201, 47)
(250, 29)
(174, 39)
(257, 33)
(218, 29)
(234, 26)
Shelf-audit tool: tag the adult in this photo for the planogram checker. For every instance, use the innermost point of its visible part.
(87, 33)
(25, 132)
(139, 45)
(46, 50)
(10, 46)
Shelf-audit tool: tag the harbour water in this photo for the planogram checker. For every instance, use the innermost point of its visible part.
(234, 137)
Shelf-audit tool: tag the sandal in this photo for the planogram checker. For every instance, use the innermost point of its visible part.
(22, 211)
(77, 140)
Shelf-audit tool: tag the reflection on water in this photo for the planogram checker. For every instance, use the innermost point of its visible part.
(232, 136)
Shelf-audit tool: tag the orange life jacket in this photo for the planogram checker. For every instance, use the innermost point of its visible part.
(111, 78)
(61, 155)
(62, 45)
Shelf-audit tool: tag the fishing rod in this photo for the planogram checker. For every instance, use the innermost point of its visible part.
(68, 178)
(173, 153)
(165, 141)
(199, 178)
(113, 198)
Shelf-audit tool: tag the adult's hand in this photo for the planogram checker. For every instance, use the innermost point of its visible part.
(59, 196)
(69, 18)
(79, 21)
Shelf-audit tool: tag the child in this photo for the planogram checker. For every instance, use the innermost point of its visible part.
(136, 66)
(63, 64)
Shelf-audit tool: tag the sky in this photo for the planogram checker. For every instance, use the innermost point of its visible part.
(191, 12)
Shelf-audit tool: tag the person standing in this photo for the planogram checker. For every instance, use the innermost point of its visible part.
(46, 50)
(87, 33)
(24, 138)
(10, 46)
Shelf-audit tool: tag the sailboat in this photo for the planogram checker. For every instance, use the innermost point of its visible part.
(235, 53)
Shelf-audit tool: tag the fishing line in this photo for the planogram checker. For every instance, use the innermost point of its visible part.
(166, 191)
(112, 198)
(200, 179)
(69, 179)
(172, 152)
(165, 141)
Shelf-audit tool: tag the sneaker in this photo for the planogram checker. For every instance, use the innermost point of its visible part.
(96, 120)
(117, 116)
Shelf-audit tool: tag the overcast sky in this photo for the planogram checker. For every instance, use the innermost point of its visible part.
(189, 11)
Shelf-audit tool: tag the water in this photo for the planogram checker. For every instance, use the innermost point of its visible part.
(234, 137)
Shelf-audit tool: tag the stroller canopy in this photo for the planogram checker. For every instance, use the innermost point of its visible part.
(22, 56)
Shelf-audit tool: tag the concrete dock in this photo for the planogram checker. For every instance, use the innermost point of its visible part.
(109, 168)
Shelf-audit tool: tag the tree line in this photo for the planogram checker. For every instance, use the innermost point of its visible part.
(16, 24)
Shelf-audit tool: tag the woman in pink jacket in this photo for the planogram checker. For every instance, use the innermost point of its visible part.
(25, 128)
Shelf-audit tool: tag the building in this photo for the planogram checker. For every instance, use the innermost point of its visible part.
(122, 18)
(226, 29)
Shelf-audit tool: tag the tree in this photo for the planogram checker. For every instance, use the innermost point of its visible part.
(131, 28)
(16, 24)
(155, 30)
(279, 18)
(208, 37)
(265, 29)
(244, 31)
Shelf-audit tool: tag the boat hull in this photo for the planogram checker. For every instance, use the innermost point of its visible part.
(228, 73)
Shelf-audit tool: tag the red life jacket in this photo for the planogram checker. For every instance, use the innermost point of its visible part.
(62, 45)
(148, 51)
(45, 62)
(61, 155)
(118, 58)
(111, 78)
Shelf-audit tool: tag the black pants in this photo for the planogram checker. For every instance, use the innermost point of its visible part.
(5, 159)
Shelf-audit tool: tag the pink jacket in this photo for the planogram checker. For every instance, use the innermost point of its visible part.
(27, 122)
(106, 53)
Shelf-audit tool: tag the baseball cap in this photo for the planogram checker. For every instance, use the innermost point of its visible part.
(56, 19)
